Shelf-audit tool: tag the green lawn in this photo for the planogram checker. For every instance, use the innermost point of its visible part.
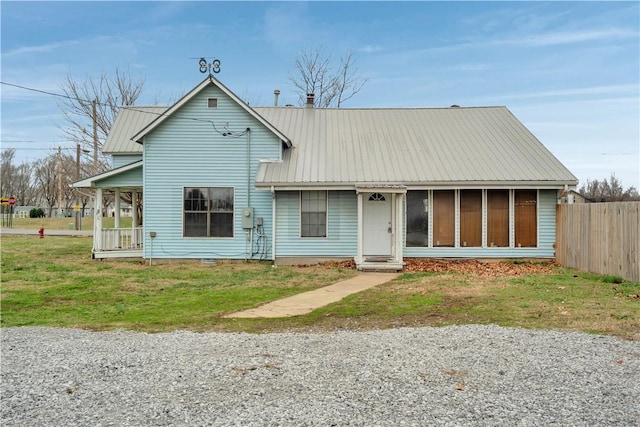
(54, 282)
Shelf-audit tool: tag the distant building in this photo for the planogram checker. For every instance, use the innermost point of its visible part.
(571, 196)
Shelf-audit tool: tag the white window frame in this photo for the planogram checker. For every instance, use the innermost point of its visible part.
(326, 213)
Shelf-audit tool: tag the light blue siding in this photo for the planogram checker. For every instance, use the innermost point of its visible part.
(130, 178)
(118, 160)
(189, 150)
(342, 223)
(546, 238)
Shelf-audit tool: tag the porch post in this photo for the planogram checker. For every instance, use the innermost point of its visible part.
(97, 221)
(359, 258)
(134, 218)
(399, 221)
(116, 206)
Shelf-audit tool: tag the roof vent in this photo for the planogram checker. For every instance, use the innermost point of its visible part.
(310, 97)
(276, 93)
(455, 106)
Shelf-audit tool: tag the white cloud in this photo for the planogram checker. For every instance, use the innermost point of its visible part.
(567, 37)
(370, 49)
(45, 48)
(472, 67)
(624, 90)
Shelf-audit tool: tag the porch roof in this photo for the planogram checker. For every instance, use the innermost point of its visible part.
(125, 176)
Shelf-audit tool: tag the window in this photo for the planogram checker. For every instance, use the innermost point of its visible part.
(417, 218)
(212, 102)
(444, 220)
(498, 218)
(313, 214)
(470, 218)
(208, 212)
(525, 218)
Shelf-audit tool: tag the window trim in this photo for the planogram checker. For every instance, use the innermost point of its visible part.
(208, 212)
(326, 217)
(212, 98)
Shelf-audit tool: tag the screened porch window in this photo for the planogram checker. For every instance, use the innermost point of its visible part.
(526, 218)
(444, 219)
(470, 218)
(208, 212)
(498, 218)
(417, 218)
(313, 214)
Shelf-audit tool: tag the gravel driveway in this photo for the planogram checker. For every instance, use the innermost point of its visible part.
(461, 375)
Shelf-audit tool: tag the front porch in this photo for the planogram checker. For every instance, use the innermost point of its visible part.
(112, 186)
(117, 242)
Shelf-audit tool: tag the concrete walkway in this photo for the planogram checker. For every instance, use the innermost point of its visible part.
(304, 303)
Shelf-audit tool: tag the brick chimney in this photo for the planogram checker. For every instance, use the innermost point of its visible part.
(309, 100)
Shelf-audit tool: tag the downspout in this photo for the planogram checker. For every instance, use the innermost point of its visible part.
(248, 167)
(249, 236)
(273, 225)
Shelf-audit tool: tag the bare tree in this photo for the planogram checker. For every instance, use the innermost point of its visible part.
(7, 171)
(610, 190)
(331, 84)
(25, 191)
(18, 181)
(46, 174)
(106, 94)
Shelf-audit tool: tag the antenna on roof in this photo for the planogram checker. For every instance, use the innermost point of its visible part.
(211, 67)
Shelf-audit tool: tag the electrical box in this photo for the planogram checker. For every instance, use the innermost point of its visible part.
(247, 218)
(259, 220)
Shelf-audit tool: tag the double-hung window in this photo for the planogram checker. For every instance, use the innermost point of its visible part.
(313, 214)
(208, 212)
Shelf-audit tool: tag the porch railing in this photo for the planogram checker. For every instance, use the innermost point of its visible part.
(121, 239)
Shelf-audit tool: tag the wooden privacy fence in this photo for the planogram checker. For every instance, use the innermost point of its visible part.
(601, 238)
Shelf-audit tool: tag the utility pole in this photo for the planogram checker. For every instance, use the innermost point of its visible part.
(59, 182)
(78, 213)
(95, 137)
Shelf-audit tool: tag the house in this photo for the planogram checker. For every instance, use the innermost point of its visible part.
(218, 179)
(570, 197)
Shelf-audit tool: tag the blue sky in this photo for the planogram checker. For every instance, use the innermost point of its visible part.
(568, 70)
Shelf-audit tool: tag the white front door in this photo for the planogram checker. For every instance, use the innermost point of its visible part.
(376, 227)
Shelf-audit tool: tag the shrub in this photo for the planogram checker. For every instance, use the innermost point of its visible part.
(36, 213)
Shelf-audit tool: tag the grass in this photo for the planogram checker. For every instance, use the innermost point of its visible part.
(54, 282)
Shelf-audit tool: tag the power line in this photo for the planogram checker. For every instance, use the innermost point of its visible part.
(5, 141)
(42, 91)
(227, 132)
(38, 148)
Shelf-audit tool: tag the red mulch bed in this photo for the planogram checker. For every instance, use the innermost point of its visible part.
(466, 266)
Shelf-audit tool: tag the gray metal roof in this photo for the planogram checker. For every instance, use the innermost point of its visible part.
(129, 121)
(412, 146)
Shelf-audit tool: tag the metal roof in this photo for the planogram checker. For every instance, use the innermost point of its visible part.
(128, 122)
(408, 146)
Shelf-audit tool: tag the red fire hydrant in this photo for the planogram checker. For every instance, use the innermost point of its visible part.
(41, 232)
